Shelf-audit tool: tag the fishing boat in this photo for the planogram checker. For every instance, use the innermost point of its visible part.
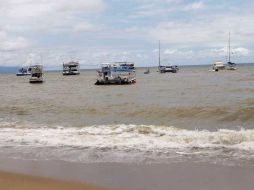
(116, 73)
(147, 71)
(36, 74)
(71, 68)
(166, 69)
(24, 71)
(231, 65)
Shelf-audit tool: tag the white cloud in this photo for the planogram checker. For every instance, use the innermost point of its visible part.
(12, 43)
(205, 31)
(195, 6)
(47, 15)
(84, 27)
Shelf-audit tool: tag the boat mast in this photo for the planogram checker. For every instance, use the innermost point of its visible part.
(229, 48)
(159, 53)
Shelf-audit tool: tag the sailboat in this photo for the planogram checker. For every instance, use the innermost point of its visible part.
(231, 65)
(166, 69)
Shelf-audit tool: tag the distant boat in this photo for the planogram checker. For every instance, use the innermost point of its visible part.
(218, 65)
(147, 71)
(166, 69)
(231, 65)
(24, 71)
(116, 73)
(71, 68)
(36, 74)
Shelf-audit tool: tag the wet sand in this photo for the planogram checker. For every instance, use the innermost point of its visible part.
(175, 176)
(13, 181)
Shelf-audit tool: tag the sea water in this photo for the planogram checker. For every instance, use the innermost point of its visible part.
(192, 115)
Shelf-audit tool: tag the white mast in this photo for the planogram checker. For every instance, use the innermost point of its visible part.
(159, 53)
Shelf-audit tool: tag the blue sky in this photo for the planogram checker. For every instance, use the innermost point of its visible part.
(93, 32)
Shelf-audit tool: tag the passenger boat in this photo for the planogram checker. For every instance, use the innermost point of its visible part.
(116, 73)
(71, 68)
(36, 74)
(24, 71)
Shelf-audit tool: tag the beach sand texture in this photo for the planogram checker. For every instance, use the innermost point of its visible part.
(13, 181)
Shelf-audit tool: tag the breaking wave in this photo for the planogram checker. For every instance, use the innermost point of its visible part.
(122, 141)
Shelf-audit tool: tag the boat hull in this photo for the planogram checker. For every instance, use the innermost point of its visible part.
(110, 82)
(23, 74)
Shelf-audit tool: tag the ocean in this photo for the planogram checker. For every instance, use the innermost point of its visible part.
(192, 115)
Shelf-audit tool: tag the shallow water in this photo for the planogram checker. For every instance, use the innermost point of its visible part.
(192, 114)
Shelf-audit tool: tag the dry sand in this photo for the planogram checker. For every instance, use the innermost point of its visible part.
(12, 181)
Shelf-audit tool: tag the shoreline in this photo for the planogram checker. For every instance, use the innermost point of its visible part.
(187, 175)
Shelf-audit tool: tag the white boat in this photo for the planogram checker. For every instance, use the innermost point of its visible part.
(116, 73)
(36, 74)
(71, 68)
(24, 71)
(166, 69)
(218, 65)
(231, 65)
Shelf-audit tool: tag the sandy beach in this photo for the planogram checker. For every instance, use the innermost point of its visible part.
(174, 176)
(14, 181)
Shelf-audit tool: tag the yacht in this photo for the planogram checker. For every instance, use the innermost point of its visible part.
(218, 65)
(166, 69)
(71, 68)
(36, 74)
(24, 71)
(231, 65)
(116, 73)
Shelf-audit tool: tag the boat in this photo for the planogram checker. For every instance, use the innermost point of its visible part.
(218, 65)
(231, 65)
(24, 71)
(71, 68)
(147, 71)
(116, 73)
(36, 74)
(166, 69)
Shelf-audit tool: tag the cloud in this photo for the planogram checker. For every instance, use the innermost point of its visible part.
(206, 31)
(84, 27)
(47, 15)
(12, 43)
(195, 6)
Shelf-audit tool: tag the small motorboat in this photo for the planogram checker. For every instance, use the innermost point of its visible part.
(147, 71)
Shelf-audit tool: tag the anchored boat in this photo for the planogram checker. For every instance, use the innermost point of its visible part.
(166, 69)
(218, 65)
(71, 68)
(24, 71)
(147, 71)
(116, 73)
(36, 74)
(231, 65)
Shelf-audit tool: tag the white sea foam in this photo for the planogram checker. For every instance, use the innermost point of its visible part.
(126, 137)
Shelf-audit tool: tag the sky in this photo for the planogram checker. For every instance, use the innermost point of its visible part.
(92, 32)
